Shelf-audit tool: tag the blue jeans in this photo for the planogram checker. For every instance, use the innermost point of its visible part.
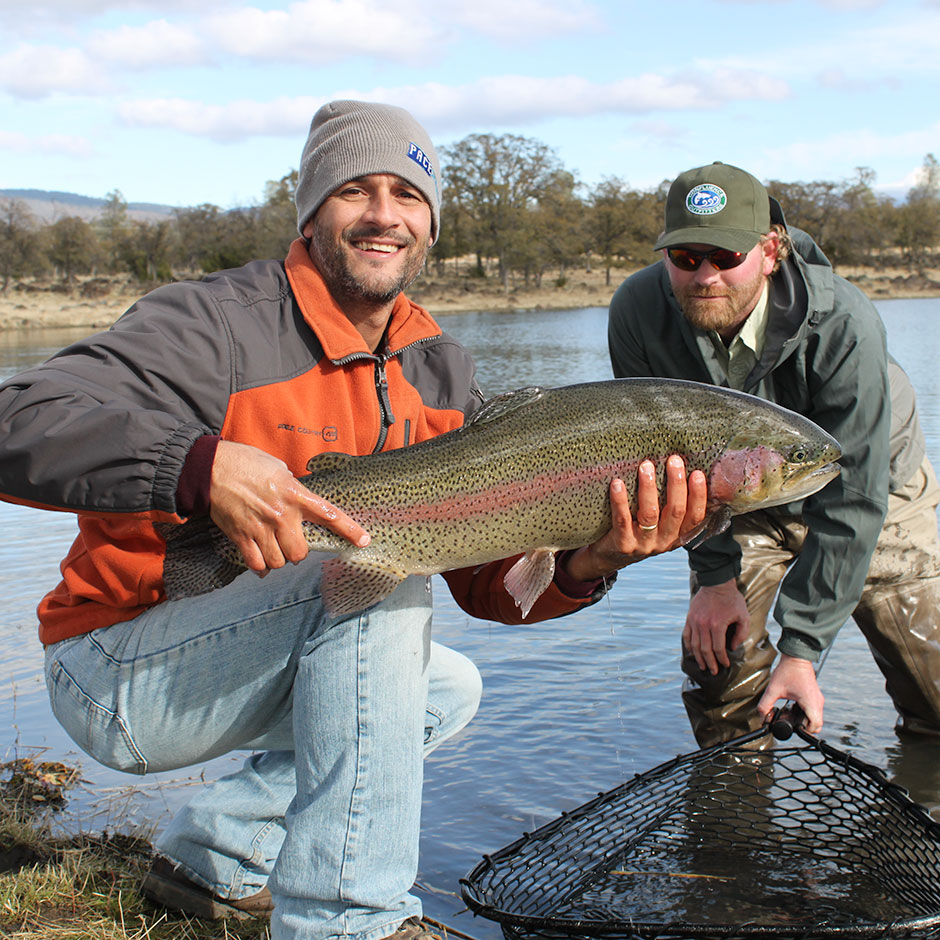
(339, 712)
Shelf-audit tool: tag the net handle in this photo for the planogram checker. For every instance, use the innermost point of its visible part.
(789, 717)
(785, 720)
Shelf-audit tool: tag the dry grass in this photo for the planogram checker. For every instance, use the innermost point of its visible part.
(96, 302)
(87, 887)
(80, 887)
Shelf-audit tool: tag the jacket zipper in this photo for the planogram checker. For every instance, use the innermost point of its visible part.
(386, 415)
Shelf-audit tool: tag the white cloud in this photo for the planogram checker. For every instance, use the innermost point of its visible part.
(410, 31)
(826, 4)
(838, 79)
(312, 32)
(38, 71)
(58, 144)
(872, 49)
(70, 10)
(852, 5)
(905, 46)
(157, 43)
(522, 19)
(506, 101)
(799, 159)
(234, 121)
(324, 31)
(53, 19)
(663, 131)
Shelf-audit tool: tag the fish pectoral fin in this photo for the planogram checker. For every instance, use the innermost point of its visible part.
(350, 586)
(713, 524)
(528, 578)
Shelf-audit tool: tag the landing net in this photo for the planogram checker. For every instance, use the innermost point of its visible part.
(792, 841)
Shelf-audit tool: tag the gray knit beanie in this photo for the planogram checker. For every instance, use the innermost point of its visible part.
(349, 139)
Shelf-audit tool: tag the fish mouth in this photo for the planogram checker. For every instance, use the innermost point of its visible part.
(813, 481)
(807, 484)
(829, 470)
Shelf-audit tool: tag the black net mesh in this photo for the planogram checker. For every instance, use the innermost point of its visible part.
(791, 841)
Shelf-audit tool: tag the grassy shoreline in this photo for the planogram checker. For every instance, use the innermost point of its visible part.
(96, 302)
(58, 885)
(80, 886)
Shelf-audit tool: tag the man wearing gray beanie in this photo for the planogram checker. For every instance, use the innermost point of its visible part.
(349, 139)
(225, 390)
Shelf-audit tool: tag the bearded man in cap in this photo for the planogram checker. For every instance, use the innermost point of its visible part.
(209, 398)
(740, 300)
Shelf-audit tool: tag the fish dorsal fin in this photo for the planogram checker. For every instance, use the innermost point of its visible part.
(502, 404)
(528, 578)
(323, 463)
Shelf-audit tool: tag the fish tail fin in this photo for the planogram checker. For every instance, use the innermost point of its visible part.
(350, 586)
(192, 565)
(528, 578)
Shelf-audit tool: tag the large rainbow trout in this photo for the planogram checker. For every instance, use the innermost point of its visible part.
(530, 472)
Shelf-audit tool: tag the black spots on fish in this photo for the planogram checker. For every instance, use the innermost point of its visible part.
(350, 586)
(198, 559)
(326, 463)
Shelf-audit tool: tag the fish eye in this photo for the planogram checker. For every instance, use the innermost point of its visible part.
(799, 453)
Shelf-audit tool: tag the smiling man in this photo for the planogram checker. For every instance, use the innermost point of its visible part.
(740, 300)
(209, 398)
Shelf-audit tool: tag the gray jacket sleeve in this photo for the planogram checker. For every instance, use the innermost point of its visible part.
(106, 424)
(849, 396)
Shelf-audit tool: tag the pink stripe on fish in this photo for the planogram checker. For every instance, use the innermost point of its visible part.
(504, 495)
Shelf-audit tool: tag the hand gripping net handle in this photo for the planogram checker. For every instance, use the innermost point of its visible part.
(740, 839)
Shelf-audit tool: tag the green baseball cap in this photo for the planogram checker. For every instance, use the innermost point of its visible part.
(718, 204)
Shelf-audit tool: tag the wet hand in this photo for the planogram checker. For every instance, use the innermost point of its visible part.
(256, 501)
(794, 680)
(653, 531)
(713, 611)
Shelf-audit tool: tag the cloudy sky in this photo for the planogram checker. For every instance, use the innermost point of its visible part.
(183, 103)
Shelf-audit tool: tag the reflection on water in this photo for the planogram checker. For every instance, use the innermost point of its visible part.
(570, 708)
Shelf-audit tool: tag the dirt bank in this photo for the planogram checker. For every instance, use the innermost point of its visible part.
(97, 302)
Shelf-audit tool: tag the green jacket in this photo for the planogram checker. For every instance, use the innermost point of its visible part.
(824, 357)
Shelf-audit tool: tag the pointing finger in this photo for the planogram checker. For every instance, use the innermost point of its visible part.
(317, 509)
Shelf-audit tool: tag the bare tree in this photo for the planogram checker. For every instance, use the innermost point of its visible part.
(72, 247)
(495, 181)
(19, 241)
(919, 228)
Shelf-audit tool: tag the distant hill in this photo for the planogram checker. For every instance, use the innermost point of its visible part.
(49, 205)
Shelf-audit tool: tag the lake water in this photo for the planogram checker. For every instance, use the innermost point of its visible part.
(570, 707)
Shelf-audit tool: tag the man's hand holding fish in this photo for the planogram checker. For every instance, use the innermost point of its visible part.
(652, 532)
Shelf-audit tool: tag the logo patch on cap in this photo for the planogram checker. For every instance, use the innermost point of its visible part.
(706, 199)
(421, 158)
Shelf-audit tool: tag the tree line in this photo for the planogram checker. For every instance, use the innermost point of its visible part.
(510, 211)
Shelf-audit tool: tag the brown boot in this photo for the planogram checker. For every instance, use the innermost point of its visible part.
(166, 885)
(414, 929)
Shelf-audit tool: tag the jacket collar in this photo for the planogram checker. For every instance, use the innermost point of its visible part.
(408, 323)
